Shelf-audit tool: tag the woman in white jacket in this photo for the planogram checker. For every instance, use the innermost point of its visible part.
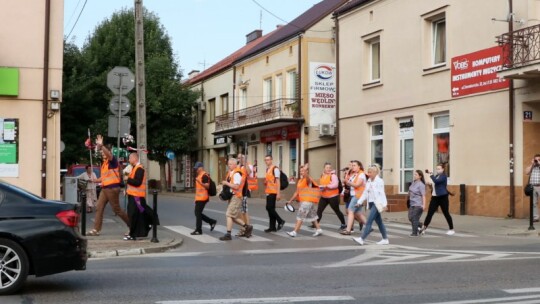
(374, 194)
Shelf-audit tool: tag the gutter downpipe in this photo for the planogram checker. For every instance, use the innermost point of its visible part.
(338, 129)
(45, 98)
(299, 88)
(511, 102)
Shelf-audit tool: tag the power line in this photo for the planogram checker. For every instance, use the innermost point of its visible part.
(76, 21)
(72, 14)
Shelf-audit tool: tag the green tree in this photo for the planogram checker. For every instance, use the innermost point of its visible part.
(169, 104)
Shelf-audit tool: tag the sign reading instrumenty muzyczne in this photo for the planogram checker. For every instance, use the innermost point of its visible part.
(477, 72)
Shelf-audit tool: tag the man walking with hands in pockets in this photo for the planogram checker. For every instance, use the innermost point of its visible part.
(272, 195)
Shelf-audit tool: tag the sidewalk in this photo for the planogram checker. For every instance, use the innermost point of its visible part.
(110, 243)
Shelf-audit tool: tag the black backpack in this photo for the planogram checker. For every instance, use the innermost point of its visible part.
(283, 180)
(212, 189)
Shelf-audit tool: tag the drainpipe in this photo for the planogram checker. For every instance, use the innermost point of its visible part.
(511, 103)
(338, 146)
(45, 98)
(299, 88)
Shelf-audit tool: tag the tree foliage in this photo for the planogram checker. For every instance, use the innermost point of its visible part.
(169, 104)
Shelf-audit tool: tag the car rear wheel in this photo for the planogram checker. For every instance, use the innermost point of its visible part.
(13, 266)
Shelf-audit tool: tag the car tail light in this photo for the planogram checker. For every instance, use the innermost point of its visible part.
(70, 218)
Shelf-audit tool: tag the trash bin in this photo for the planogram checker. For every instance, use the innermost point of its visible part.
(70, 189)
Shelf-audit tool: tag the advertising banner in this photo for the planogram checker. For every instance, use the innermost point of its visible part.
(9, 147)
(477, 72)
(322, 93)
(283, 133)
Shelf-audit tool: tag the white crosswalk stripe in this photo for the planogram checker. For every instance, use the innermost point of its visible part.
(395, 231)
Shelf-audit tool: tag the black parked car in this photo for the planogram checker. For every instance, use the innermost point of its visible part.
(37, 237)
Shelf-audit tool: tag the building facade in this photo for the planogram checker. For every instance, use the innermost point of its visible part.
(418, 85)
(30, 94)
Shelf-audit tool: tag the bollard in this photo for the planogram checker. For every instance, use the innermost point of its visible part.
(462, 199)
(154, 226)
(83, 212)
(531, 225)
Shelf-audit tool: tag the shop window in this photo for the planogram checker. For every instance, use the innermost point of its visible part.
(292, 158)
(441, 141)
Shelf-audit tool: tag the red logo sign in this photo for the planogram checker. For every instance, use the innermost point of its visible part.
(477, 72)
(283, 133)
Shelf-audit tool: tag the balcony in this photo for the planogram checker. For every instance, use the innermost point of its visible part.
(277, 112)
(522, 53)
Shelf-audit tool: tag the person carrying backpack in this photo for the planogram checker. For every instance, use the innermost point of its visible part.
(329, 185)
(273, 193)
(202, 184)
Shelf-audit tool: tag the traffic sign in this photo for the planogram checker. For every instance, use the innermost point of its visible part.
(118, 104)
(125, 124)
(170, 154)
(120, 78)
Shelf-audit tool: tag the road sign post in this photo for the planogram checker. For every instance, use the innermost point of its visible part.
(120, 81)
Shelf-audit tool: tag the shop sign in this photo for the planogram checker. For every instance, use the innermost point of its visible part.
(9, 147)
(322, 92)
(283, 133)
(221, 140)
(188, 169)
(406, 128)
(477, 72)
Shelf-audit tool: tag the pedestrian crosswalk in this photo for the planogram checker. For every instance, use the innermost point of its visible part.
(394, 230)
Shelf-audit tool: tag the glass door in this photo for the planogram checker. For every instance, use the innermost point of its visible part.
(406, 163)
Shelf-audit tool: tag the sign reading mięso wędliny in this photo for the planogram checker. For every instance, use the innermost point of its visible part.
(322, 93)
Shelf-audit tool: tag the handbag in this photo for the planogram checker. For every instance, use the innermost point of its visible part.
(380, 207)
(529, 189)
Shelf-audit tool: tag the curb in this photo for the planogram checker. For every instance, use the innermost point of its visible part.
(134, 251)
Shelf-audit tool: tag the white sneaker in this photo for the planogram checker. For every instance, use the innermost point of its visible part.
(383, 242)
(450, 232)
(292, 233)
(318, 232)
(359, 240)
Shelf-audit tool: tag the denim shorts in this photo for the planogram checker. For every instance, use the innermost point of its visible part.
(352, 205)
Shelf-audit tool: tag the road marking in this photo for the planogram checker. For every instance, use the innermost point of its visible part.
(263, 300)
(185, 231)
(522, 290)
(400, 255)
(493, 300)
(253, 238)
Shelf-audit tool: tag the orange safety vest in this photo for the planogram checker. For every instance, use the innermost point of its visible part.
(139, 191)
(271, 185)
(109, 176)
(237, 193)
(201, 193)
(359, 190)
(325, 180)
(253, 183)
(307, 193)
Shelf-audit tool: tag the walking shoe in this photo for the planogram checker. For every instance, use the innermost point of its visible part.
(270, 230)
(413, 234)
(241, 233)
(248, 231)
(359, 240)
(280, 225)
(343, 227)
(383, 242)
(345, 232)
(312, 226)
(129, 238)
(196, 233)
(422, 230)
(226, 237)
(450, 232)
(213, 225)
(318, 232)
(291, 233)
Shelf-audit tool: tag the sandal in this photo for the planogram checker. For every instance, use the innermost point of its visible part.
(93, 232)
(345, 232)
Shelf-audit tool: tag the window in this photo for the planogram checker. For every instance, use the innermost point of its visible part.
(439, 41)
(267, 93)
(212, 109)
(375, 59)
(292, 158)
(377, 144)
(279, 86)
(292, 84)
(224, 104)
(441, 141)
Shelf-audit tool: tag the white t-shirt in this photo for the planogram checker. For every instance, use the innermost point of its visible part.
(251, 173)
(276, 172)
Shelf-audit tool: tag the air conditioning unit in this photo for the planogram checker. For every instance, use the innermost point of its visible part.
(326, 130)
(202, 106)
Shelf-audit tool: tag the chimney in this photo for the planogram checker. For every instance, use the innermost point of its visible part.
(193, 73)
(253, 36)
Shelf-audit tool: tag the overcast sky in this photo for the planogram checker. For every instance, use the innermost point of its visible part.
(202, 31)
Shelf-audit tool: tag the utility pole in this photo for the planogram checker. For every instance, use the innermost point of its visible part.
(140, 100)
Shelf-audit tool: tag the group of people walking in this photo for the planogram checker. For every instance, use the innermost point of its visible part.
(363, 193)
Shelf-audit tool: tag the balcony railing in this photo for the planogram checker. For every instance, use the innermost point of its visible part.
(522, 47)
(281, 108)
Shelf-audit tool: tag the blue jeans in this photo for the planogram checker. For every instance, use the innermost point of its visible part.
(374, 215)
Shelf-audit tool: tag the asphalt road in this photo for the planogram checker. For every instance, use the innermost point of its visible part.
(465, 268)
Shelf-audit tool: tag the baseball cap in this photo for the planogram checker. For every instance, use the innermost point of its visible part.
(198, 165)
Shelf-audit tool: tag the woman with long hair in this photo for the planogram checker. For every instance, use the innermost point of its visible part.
(357, 182)
(417, 199)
